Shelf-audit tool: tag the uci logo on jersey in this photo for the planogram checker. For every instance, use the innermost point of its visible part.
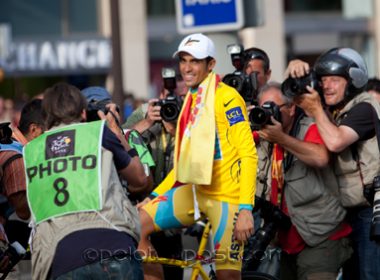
(235, 115)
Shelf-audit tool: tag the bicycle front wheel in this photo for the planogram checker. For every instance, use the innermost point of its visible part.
(254, 275)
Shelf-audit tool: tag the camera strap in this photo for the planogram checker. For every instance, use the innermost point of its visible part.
(167, 147)
(293, 132)
(265, 183)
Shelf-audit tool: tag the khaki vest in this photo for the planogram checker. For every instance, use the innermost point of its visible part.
(346, 167)
(118, 213)
(311, 194)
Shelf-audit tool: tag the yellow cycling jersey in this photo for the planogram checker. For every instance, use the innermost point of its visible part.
(235, 157)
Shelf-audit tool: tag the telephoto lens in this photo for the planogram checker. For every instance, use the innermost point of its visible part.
(375, 225)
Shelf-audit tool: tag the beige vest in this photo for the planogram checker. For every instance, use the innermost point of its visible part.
(118, 213)
(311, 194)
(346, 167)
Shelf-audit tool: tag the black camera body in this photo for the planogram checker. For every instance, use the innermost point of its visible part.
(274, 219)
(293, 87)
(170, 107)
(260, 116)
(246, 85)
(5, 133)
(15, 252)
(375, 225)
(94, 106)
(172, 104)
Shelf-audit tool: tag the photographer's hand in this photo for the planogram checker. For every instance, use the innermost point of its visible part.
(310, 102)
(297, 68)
(272, 132)
(244, 226)
(113, 120)
(153, 113)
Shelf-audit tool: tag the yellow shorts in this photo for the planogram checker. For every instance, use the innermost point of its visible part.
(172, 210)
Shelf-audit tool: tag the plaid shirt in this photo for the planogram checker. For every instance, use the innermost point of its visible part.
(13, 179)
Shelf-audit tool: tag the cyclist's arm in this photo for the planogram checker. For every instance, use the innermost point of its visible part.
(241, 137)
(165, 185)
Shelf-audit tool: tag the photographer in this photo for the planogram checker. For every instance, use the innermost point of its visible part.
(257, 60)
(252, 71)
(84, 225)
(348, 128)
(293, 174)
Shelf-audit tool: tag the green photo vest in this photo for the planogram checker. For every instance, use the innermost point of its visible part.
(63, 169)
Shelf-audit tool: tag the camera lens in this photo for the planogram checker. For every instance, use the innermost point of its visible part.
(292, 87)
(259, 116)
(169, 112)
(234, 81)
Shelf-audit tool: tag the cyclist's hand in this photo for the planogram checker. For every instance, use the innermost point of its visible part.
(142, 203)
(244, 225)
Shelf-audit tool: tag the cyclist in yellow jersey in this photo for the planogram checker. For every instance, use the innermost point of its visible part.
(215, 164)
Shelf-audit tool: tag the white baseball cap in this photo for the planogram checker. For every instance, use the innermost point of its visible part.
(198, 45)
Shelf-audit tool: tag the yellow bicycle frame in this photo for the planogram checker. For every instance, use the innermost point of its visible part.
(195, 265)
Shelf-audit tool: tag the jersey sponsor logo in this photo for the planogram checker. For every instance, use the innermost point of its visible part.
(235, 115)
(226, 104)
(234, 253)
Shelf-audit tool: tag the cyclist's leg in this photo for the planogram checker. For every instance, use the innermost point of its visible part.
(170, 210)
(228, 252)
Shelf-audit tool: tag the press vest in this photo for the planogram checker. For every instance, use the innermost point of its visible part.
(116, 211)
(346, 167)
(311, 194)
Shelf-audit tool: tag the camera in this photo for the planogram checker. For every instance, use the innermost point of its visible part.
(260, 116)
(15, 252)
(171, 105)
(246, 85)
(94, 106)
(292, 87)
(274, 219)
(375, 224)
(5, 133)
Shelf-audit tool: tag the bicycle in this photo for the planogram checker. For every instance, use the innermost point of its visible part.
(197, 263)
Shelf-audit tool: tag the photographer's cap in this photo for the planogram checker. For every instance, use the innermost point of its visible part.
(198, 45)
(95, 94)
